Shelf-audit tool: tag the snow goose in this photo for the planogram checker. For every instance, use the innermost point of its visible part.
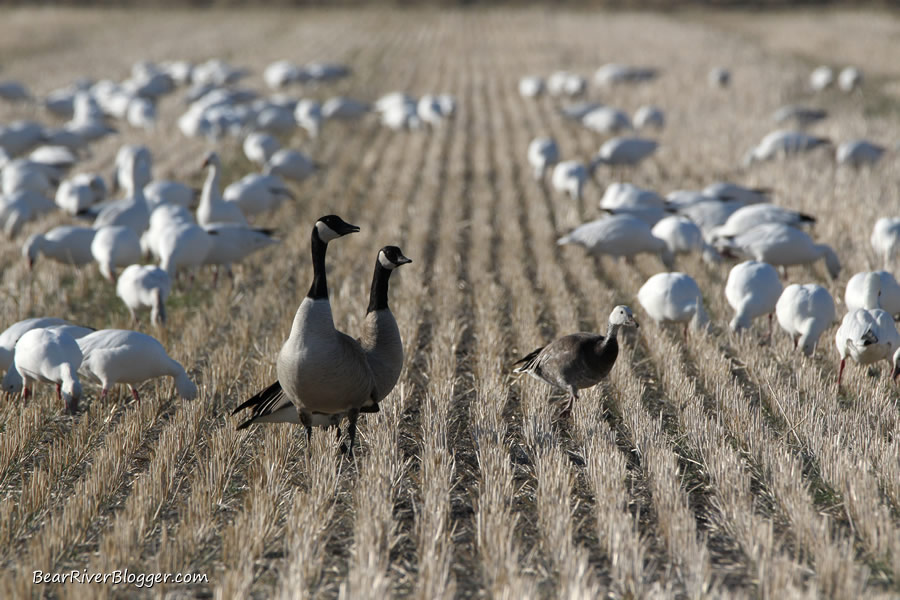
(280, 74)
(613, 73)
(782, 143)
(578, 110)
(26, 175)
(11, 335)
(114, 356)
(164, 191)
(624, 151)
(781, 245)
(259, 147)
(746, 218)
(115, 246)
(857, 153)
(233, 243)
(13, 91)
(885, 238)
(867, 336)
(256, 193)
(727, 191)
(19, 137)
(66, 244)
(564, 83)
(212, 207)
(142, 286)
(682, 236)
(821, 78)
(429, 110)
(182, 244)
(308, 114)
(323, 371)
(20, 207)
(81, 191)
(718, 77)
(60, 158)
(649, 116)
(710, 214)
(291, 164)
(873, 289)
(752, 290)
(796, 114)
(50, 356)
(380, 341)
(673, 298)
(132, 212)
(343, 108)
(805, 312)
(531, 87)
(12, 382)
(619, 235)
(629, 199)
(568, 177)
(542, 153)
(607, 120)
(850, 78)
(578, 360)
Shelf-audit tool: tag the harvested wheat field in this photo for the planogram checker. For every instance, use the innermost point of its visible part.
(710, 464)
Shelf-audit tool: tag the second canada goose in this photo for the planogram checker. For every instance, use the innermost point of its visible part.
(380, 341)
(578, 360)
(322, 371)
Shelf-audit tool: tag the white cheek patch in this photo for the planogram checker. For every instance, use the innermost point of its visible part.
(385, 261)
(326, 233)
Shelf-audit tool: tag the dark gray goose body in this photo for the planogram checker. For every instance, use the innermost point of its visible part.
(578, 360)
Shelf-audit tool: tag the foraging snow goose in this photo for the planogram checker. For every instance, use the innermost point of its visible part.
(867, 336)
(259, 147)
(256, 193)
(821, 78)
(115, 246)
(291, 164)
(20, 136)
(781, 245)
(542, 153)
(233, 243)
(568, 177)
(885, 238)
(22, 174)
(649, 116)
(781, 143)
(727, 191)
(81, 191)
(65, 244)
(857, 153)
(673, 298)
(606, 119)
(142, 286)
(578, 110)
(343, 108)
(710, 214)
(619, 235)
(380, 341)
(13, 91)
(323, 371)
(213, 208)
(850, 78)
(682, 236)
(12, 382)
(799, 115)
(805, 312)
(114, 356)
(21, 207)
(11, 335)
(629, 199)
(164, 191)
(578, 360)
(624, 151)
(873, 289)
(613, 73)
(50, 356)
(746, 218)
(752, 290)
(531, 87)
(308, 114)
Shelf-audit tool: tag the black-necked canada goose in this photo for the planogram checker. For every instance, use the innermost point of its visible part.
(380, 341)
(578, 360)
(323, 372)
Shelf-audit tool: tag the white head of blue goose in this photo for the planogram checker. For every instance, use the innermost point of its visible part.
(621, 316)
(326, 229)
(389, 258)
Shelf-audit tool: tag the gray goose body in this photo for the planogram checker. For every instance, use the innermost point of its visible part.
(578, 360)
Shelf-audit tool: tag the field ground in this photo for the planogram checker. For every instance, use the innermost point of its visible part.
(712, 466)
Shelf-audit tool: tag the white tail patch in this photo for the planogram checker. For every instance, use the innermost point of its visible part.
(385, 261)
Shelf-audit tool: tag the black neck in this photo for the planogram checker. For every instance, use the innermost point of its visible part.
(378, 297)
(319, 288)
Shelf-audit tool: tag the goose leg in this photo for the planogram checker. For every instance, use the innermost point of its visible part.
(685, 331)
(26, 391)
(307, 425)
(570, 401)
(352, 416)
(103, 393)
(134, 393)
(841, 370)
(58, 392)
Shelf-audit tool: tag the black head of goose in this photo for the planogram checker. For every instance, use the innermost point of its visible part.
(578, 360)
(381, 336)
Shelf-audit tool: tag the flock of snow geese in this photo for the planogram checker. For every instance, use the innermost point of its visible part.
(325, 375)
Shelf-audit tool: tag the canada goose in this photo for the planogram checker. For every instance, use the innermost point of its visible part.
(619, 235)
(752, 290)
(66, 244)
(323, 371)
(213, 208)
(858, 153)
(542, 153)
(115, 246)
(144, 285)
(114, 356)
(885, 239)
(781, 245)
(873, 289)
(380, 341)
(578, 360)
(804, 312)
(50, 356)
(867, 336)
(673, 298)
